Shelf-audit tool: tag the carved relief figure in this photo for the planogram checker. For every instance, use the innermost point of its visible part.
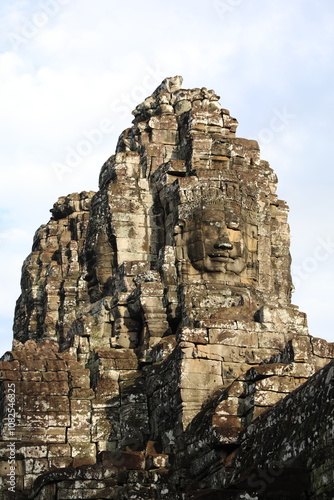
(216, 238)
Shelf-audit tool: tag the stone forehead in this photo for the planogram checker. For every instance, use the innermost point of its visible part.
(206, 197)
(205, 194)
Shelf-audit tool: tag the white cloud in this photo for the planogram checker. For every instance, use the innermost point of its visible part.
(90, 63)
(6, 336)
(14, 235)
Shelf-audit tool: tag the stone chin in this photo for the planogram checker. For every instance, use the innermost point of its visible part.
(220, 265)
(236, 266)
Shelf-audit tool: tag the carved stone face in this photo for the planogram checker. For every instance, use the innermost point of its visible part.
(218, 241)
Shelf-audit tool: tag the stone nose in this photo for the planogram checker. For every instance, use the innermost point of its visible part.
(224, 245)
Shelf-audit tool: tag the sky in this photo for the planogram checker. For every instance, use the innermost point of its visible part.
(71, 72)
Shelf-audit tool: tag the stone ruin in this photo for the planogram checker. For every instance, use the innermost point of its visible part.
(156, 352)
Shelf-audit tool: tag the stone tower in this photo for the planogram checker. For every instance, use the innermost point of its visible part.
(155, 322)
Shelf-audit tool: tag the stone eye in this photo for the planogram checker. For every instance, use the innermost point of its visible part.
(213, 223)
(233, 222)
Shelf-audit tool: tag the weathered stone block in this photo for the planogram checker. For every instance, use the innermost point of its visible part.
(36, 465)
(4, 468)
(32, 364)
(271, 340)
(58, 450)
(80, 393)
(59, 419)
(78, 435)
(83, 454)
(111, 492)
(61, 376)
(163, 122)
(131, 460)
(279, 384)
(80, 406)
(29, 481)
(32, 376)
(101, 428)
(211, 351)
(268, 398)
(256, 356)
(56, 365)
(50, 403)
(35, 420)
(195, 335)
(60, 462)
(194, 380)
(322, 348)
(195, 395)
(302, 349)
(204, 366)
(80, 379)
(233, 338)
(11, 375)
(31, 451)
(55, 435)
(107, 388)
(231, 371)
(157, 461)
(10, 365)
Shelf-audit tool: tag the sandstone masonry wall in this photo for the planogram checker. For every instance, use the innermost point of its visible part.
(155, 332)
